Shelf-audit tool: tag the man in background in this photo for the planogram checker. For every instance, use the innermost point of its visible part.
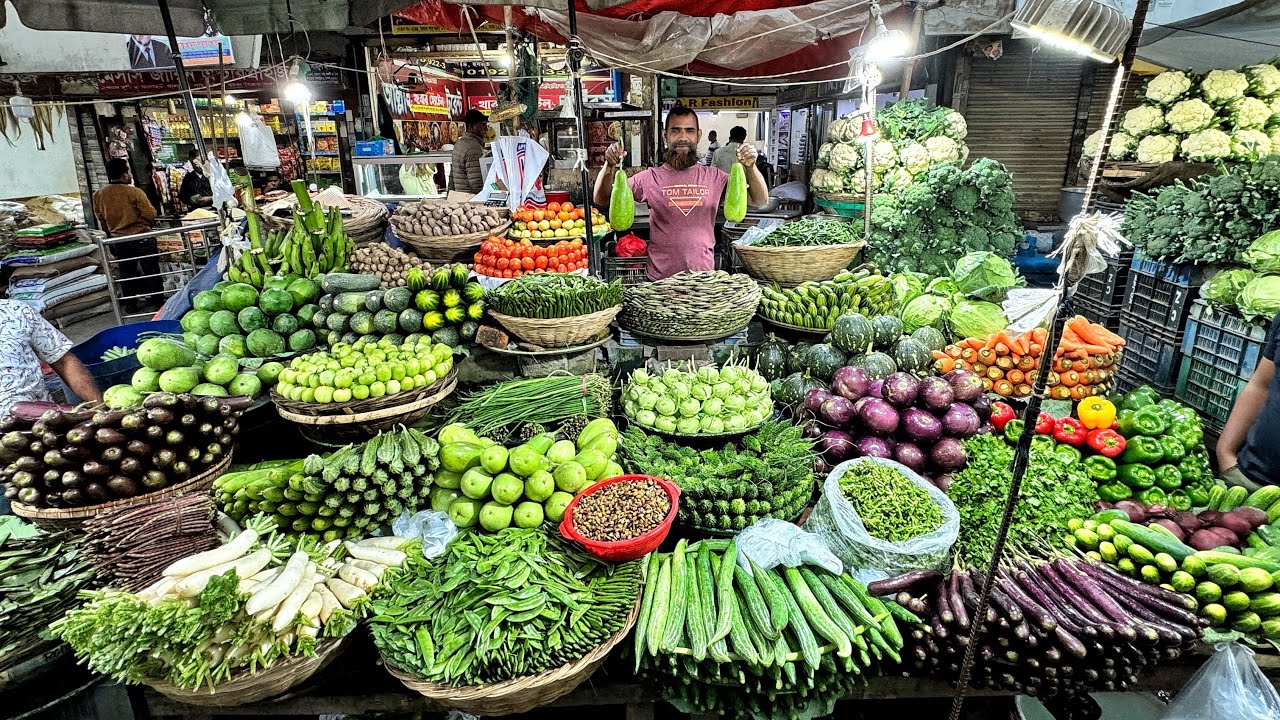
(464, 169)
(146, 53)
(724, 157)
(196, 191)
(712, 146)
(1252, 432)
(122, 209)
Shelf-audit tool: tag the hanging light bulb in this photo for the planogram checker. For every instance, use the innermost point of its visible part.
(887, 44)
(1096, 28)
(244, 119)
(229, 100)
(297, 91)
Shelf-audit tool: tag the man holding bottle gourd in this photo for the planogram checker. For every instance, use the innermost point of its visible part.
(684, 196)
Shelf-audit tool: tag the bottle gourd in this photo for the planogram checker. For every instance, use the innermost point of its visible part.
(622, 206)
(735, 198)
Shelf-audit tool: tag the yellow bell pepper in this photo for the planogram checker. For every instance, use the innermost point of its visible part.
(1096, 412)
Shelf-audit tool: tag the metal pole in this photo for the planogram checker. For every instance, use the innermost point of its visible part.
(187, 97)
(576, 53)
(1118, 84)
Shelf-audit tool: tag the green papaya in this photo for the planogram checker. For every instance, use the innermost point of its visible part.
(622, 206)
(735, 195)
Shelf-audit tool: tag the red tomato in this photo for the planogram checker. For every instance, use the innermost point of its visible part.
(540, 262)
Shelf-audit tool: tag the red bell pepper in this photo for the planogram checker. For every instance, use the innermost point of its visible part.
(1001, 414)
(1069, 430)
(1106, 442)
(1044, 424)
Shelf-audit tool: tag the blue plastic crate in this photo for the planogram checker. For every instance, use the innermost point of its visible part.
(1107, 287)
(1223, 340)
(1148, 354)
(1209, 390)
(1159, 303)
(1177, 273)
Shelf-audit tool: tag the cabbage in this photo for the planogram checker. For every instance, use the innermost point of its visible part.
(926, 310)
(1264, 254)
(975, 319)
(941, 286)
(907, 286)
(1223, 289)
(985, 275)
(1261, 298)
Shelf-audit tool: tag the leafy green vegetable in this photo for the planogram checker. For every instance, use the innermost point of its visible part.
(40, 576)
(974, 319)
(1264, 254)
(1224, 288)
(985, 275)
(1053, 492)
(1260, 299)
(926, 310)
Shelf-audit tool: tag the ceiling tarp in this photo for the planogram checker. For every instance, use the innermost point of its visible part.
(1242, 34)
(233, 17)
(781, 39)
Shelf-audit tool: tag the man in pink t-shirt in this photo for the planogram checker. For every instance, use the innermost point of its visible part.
(683, 196)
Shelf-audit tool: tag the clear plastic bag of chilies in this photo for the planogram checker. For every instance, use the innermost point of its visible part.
(1230, 686)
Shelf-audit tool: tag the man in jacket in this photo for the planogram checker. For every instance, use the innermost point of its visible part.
(1252, 432)
(464, 169)
(123, 209)
(146, 53)
(196, 191)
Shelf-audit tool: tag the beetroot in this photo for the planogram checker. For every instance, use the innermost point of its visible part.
(850, 382)
(936, 393)
(1235, 524)
(901, 389)
(814, 398)
(1211, 538)
(1136, 511)
(1255, 517)
(1209, 518)
(1172, 527)
(1188, 522)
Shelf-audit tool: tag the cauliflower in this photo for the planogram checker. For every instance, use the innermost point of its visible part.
(1167, 87)
(883, 156)
(1274, 104)
(1220, 87)
(824, 154)
(964, 153)
(1122, 146)
(1274, 137)
(1264, 80)
(1247, 112)
(955, 127)
(1187, 116)
(942, 149)
(826, 181)
(1091, 143)
(1157, 148)
(914, 157)
(1143, 120)
(856, 183)
(844, 159)
(1206, 145)
(896, 179)
(841, 130)
(1249, 144)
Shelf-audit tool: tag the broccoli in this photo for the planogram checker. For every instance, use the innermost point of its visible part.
(1225, 189)
(919, 198)
(964, 199)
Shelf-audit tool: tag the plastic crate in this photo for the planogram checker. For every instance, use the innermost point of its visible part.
(1223, 340)
(1107, 287)
(1209, 390)
(1148, 353)
(1108, 316)
(1124, 381)
(1160, 293)
(630, 270)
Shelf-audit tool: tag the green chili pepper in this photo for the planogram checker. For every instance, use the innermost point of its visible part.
(1138, 477)
(1168, 477)
(1101, 469)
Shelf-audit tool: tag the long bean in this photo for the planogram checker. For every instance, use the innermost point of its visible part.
(543, 401)
(547, 296)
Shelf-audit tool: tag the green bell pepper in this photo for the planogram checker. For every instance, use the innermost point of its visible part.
(1173, 448)
(1142, 449)
(1013, 430)
(1100, 468)
(1192, 471)
(1186, 427)
(1067, 454)
(1180, 500)
(1115, 492)
(1139, 398)
(1043, 444)
(1168, 477)
(1137, 476)
(1198, 494)
(1169, 405)
(1154, 496)
(1144, 421)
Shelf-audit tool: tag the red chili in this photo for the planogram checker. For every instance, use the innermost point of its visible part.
(1106, 442)
(1001, 414)
(1069, 430)
(1044, 424)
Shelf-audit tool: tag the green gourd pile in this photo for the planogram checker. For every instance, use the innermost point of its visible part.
(816, 305)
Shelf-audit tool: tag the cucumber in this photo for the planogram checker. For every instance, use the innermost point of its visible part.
(1107, 516)
(1218, 557)
(1224, 575)
(1266, 605)
(1151, 540)
(1234, 498)
(1216, 496)
(335, 283)
(1264, 497)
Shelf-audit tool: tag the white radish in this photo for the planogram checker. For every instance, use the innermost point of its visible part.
(309, 631)
(310, 609)
(158, 589)
(247, 585)
(362, 579)
(383, 556)
(389, 543)
(245, 567)
(210, 558)
(274, 593)
(348, 595)
(373, 568)
(266, 575)
(329, 603)
(293, 602)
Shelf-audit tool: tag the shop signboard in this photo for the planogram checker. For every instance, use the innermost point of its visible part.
(551, 93)
(404, 26)
(729, 102)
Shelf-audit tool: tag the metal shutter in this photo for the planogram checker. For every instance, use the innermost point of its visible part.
(1020, 111)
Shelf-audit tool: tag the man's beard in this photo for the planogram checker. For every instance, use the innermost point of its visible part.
(681, 160)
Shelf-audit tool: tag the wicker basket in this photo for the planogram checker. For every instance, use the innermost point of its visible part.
(560, 332)
(282, 676)
(364, 225)
(364, 416)
(56, 518)
(521, 694)
(792, 265)
(440, 249)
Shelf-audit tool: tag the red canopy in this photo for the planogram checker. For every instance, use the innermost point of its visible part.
(824, 42)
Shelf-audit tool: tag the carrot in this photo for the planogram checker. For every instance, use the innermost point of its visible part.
(1031, 376)
(1088, 331)
(946, 364)
(987, 384)
(1080, 365)
(1004, 388)
(968, 354)
(1039, 335)
(1037, 348)
(1021, 345)
(938, 355)
(987, 355)
(1026, 362)
(1096, 349)
(1080, 392)
(1061, 392)
(978, 369)
(995, 373)
(953, 351)
(1002, 349)
(1070, 378)
(1005, 362)
(1053, 379)
(1061, 364)
(1015, 376)
(1022, 390)
(1105, 334)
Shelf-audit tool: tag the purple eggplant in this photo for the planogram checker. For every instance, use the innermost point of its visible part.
(936, 393)
(948, 454)
(878, 417)
(836, 446)
(814, 398)
(922, 426)
(850, 382)
(837, 411)
(966, 386)
(982, 406)
(872, 446)
(901, 389)
(961, 421)
(910, 454)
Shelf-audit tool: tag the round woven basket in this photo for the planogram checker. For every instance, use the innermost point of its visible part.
(438, 249)
(690, 305)
(558, 332)
(364, 416)
(791, 265)
(280, 677)
(364, 225)
(56, 518)
(521, 694)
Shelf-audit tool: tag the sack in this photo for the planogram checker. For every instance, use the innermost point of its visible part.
(1230, 686)
(870, 558)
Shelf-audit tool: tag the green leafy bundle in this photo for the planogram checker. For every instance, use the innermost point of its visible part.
(944, 213)
(547, 296)
(813, 230)
(1053, 492)
(501, 606)
(40, 575)
(1211, 219)
(768, 473)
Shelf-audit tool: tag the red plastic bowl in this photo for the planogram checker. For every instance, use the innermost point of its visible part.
(623, 550)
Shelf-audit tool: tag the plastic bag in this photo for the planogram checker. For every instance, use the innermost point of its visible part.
(870, 558)
(224, 193)
(258, 145)
(1230, 686)
(434, 528)
(772, 542)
